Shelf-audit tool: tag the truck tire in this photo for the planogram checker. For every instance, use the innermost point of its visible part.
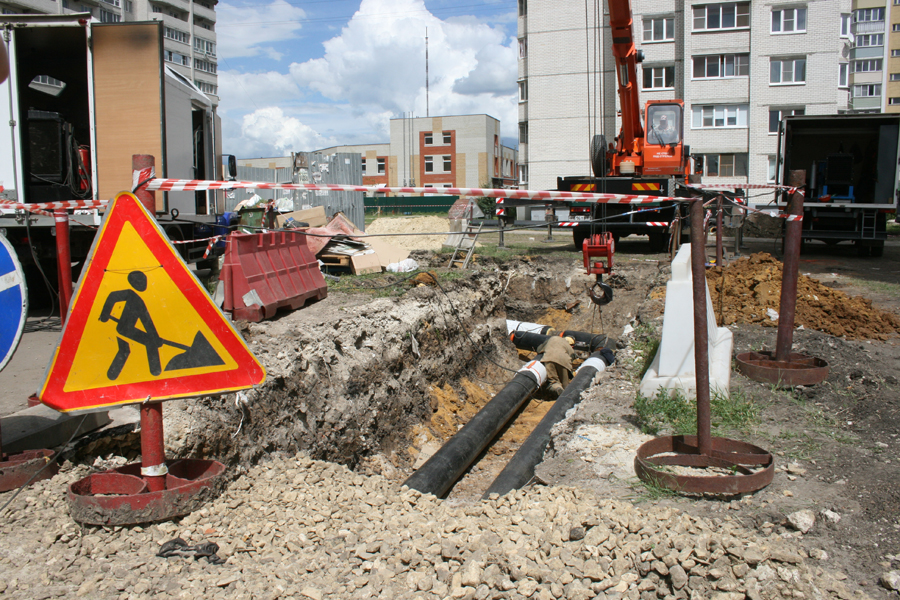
(659, 242)
(578, 237)
(862, 250)
(877, 250)
(598, 156)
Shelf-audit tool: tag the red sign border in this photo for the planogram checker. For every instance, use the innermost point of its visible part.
(126, 208)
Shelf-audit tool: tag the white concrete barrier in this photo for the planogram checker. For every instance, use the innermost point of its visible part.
(673, 366)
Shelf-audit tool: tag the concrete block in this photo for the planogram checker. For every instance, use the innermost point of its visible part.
(40, 426)
(673, 366)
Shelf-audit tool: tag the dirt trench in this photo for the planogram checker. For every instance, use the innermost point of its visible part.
(379, 383)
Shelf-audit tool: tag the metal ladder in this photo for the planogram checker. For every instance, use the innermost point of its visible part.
(467, 243)
(867, 225)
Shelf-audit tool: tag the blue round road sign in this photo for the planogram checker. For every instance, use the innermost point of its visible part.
(13, 301)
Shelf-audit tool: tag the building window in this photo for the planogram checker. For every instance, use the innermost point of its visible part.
(719, 116)
(783, 71)
(895, 76)
(789, 20)
(156, 9)
(206, 88)
(868, 14)
(893, 100)
(448, 138)
(845, 25)
(895, 53)
(129, 6)
(869, 65)
(523, 91)
(659, 30)
(872, 39)
(721, 65)
(177, 58)
(722, 16)
(205, 66)
(429, 139)
(363, 165)
(109, 17)
(867, 90)
(776, 114)
(111, 2)
(523, 8)
(523, 133)
(659, 78)
(448, 163)
(206, 46)
(523, 174)
(429, 164)
(895, 27)
(523, 48)
(770, 171)
(178, 36)
(843, 74)
(726, 165)
(380, 166)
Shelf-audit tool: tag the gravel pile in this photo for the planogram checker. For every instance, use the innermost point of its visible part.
(297, 528)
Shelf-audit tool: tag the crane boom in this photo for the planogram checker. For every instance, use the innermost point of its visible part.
(627, 58)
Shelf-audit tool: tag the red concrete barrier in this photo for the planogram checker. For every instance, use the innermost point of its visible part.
(267, 271)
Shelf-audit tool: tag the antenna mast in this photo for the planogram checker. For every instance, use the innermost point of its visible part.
(427, 111)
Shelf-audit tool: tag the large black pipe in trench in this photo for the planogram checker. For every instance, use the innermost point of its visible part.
(524, 340)
(520, 469)
(441, 471)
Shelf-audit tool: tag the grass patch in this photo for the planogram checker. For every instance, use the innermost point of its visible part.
(880, 287)
(677, 415)
(650, 490)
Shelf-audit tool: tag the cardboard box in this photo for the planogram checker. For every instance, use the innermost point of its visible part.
(315, 216)
(365, 263)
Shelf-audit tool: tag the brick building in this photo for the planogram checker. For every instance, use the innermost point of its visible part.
(449, 151)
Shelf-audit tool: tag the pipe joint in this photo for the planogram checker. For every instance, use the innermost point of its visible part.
(593, 362)
(536, 370)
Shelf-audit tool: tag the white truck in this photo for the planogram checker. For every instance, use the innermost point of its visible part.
(83, 97)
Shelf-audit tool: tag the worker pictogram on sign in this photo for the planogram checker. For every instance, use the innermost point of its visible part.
(141, 326)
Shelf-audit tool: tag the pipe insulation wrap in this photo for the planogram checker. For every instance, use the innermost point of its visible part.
(525, 327)
(596, 363)
(537, 370)
(520, 469)
(447, 465)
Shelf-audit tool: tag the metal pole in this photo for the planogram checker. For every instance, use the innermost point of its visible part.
(701, 335)
(792, 236)
(719, 231)
(64, 262)
(153, 449)
(549, 215)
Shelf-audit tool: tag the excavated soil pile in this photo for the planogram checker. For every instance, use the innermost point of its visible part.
(412, 225)
(753, 293)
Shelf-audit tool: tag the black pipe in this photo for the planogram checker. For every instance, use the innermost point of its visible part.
(441, 471)
(520, 469)
(587, 342)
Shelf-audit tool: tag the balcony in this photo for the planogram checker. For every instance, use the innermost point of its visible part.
(867, 27)
(865, 102)
(206, 13)
(181, 5)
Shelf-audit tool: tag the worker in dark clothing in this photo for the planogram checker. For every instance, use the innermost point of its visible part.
(558, 355)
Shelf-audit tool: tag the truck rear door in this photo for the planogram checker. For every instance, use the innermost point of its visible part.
(128, 107)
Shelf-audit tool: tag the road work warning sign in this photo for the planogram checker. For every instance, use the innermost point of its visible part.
(141, 326)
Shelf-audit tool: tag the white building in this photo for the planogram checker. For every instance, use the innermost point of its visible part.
(738, 66)
(189, 29)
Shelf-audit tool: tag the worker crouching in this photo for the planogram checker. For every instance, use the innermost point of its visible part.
(558, 355)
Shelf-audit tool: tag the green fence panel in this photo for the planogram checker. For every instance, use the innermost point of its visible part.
(405, 205)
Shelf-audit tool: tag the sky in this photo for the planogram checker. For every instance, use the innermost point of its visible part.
(301, 75)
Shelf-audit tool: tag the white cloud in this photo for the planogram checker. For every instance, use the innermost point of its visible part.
(374, 69)
(269, 132)
(248, 30)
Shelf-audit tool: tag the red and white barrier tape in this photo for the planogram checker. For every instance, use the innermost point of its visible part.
(51, 206)
(209, 246)
(743, 186)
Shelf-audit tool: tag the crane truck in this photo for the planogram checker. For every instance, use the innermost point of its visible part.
(82, 97)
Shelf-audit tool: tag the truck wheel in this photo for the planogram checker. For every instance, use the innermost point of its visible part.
(877, 250)
(659, 242)
(598, 156)
(578, 237)
(864, 251)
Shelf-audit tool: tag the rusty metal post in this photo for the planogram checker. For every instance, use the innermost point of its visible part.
(790, 268)
(153, 449)
(64, 262)
(719, 231)
(143, 167)
(502, 223)
(701, 334)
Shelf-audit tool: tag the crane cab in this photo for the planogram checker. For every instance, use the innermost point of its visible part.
(663, 151)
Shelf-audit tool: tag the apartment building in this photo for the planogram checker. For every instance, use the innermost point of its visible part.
(739, 67)
(439, 152)
(189, 29)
